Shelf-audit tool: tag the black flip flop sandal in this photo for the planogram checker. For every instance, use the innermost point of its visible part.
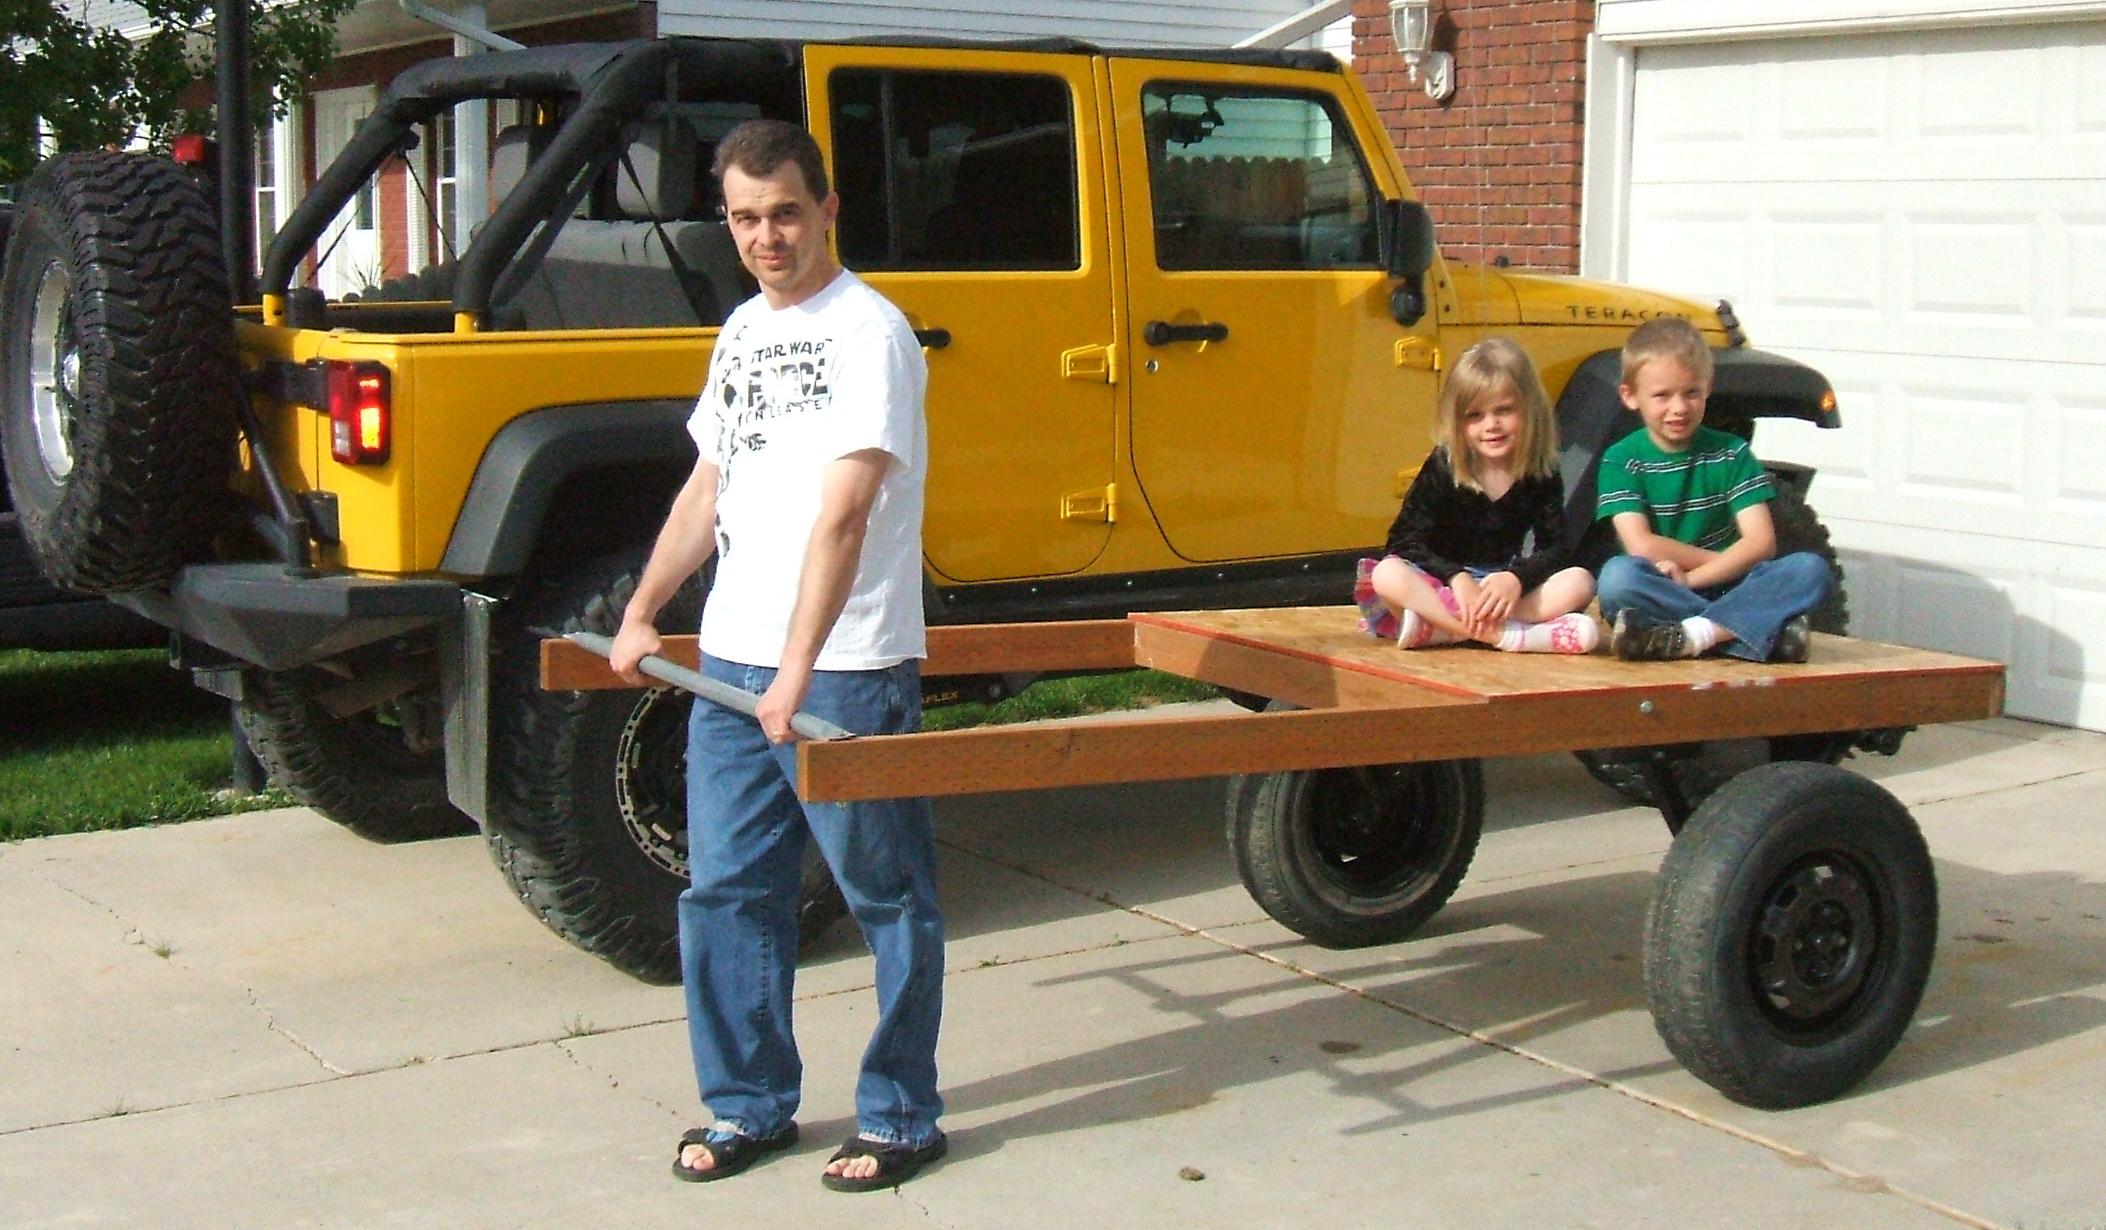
(729, 1152)
(896, 1163)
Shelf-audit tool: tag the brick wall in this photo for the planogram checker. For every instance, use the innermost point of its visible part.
(1498, 162)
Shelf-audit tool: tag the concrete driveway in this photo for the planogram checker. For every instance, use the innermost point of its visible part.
(264, 1021)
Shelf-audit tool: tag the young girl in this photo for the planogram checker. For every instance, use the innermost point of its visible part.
(1455, 569)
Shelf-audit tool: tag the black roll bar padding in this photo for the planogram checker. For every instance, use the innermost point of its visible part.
(610, 81)
(414, 97)
(237, 164)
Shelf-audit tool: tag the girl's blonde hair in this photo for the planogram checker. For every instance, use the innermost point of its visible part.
(1489, 365)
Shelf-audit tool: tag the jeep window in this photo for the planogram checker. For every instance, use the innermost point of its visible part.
(950, 170)
(1253, 180)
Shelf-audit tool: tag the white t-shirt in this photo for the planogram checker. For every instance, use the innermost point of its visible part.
(790, 390)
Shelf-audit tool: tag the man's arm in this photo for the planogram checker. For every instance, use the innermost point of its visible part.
(1758, 542)
(687, 540)
(847, 489)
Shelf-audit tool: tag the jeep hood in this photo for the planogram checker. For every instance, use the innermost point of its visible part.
(1497, 297)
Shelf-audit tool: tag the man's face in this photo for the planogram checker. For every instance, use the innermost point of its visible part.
(780, 230)
(1669, 396)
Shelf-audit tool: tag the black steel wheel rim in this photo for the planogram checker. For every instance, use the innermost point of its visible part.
(1814, 945)
(650, 777)
(1373, 830)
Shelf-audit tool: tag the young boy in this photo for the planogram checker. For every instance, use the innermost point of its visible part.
(1690, 505)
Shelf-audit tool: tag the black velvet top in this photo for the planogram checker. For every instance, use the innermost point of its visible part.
(1445, 528)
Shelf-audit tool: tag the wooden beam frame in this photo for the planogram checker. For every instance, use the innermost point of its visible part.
(1427, 726)
(1360, 702)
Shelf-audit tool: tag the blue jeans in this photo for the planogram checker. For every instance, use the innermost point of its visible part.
(738, 918)
(1752, 608)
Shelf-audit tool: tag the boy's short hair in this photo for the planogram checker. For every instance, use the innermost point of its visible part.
(758, 147)
(1666, 337)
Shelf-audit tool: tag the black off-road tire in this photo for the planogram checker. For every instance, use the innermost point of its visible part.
(118, 373)
(589, 789)
(1352, 857)
(356, 770)
(1798, 529)
(1791, 934)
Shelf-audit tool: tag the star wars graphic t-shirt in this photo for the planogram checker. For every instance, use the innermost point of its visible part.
(791, 389)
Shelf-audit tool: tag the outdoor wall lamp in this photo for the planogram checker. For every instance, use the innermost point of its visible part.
(1411, 24)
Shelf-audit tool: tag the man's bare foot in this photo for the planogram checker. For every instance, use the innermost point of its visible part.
(720, 1151)
(864, 1165)
(860, 1167)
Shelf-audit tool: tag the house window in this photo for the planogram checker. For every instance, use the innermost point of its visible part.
(446, 181)
(266, 188)
(954, 170)
(1247, 180)
(276, 188)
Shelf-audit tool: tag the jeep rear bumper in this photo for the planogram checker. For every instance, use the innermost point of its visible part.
(278, 618)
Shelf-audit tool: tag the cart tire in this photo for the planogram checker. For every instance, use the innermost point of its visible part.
(355, 770)
(1358, 856)
(1791, 935)
(118, 372)
(589, 789)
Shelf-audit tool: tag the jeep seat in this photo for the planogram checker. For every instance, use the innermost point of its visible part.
(614, 273)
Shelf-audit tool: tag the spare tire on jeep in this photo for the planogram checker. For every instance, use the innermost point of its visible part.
(118, 373)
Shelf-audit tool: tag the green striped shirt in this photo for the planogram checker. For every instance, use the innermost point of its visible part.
(1691, 496)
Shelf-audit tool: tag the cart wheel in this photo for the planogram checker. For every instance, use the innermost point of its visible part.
(1359, 856)
(1791, 934)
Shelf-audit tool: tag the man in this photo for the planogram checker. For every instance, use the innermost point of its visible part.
(808, 489)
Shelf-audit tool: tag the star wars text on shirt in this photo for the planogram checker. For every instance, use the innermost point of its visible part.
(768, 382)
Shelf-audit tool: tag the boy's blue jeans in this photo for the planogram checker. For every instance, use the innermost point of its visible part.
(1754, 607)
(738, 918)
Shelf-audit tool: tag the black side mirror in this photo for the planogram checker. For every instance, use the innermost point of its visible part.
(1407, 239)
(1407, 253)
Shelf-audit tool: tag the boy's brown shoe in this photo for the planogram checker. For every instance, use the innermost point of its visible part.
(1793, 640)
(1641, 638)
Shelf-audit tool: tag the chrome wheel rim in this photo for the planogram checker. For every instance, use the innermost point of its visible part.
(54, 374)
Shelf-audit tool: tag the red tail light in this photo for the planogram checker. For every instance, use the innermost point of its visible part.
(191, 150)
(360, 419)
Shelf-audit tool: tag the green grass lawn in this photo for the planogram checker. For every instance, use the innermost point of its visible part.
(113, 740)
(107, 741)
(1073, 697)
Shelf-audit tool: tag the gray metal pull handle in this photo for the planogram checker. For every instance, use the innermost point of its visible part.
(745, 702)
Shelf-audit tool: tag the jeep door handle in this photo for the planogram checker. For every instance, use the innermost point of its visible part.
(1163, 333)
(934, 339)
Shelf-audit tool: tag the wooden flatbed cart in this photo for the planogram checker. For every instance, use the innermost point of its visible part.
(1792, 931)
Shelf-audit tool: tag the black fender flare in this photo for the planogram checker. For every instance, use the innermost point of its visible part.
(530, 458)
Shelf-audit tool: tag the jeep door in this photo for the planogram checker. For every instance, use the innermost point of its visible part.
(962, 177)
(1276, 403)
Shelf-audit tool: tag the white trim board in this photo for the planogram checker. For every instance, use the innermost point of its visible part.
(1710, 21)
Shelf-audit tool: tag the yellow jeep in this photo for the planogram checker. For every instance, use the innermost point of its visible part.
(1185, 323)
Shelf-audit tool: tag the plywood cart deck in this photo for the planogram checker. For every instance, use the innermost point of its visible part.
(1796, 916)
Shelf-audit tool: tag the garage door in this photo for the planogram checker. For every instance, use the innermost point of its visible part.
(1923, 217)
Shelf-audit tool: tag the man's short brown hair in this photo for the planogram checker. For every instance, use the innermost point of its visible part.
(758, 147)
(1666, 337)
